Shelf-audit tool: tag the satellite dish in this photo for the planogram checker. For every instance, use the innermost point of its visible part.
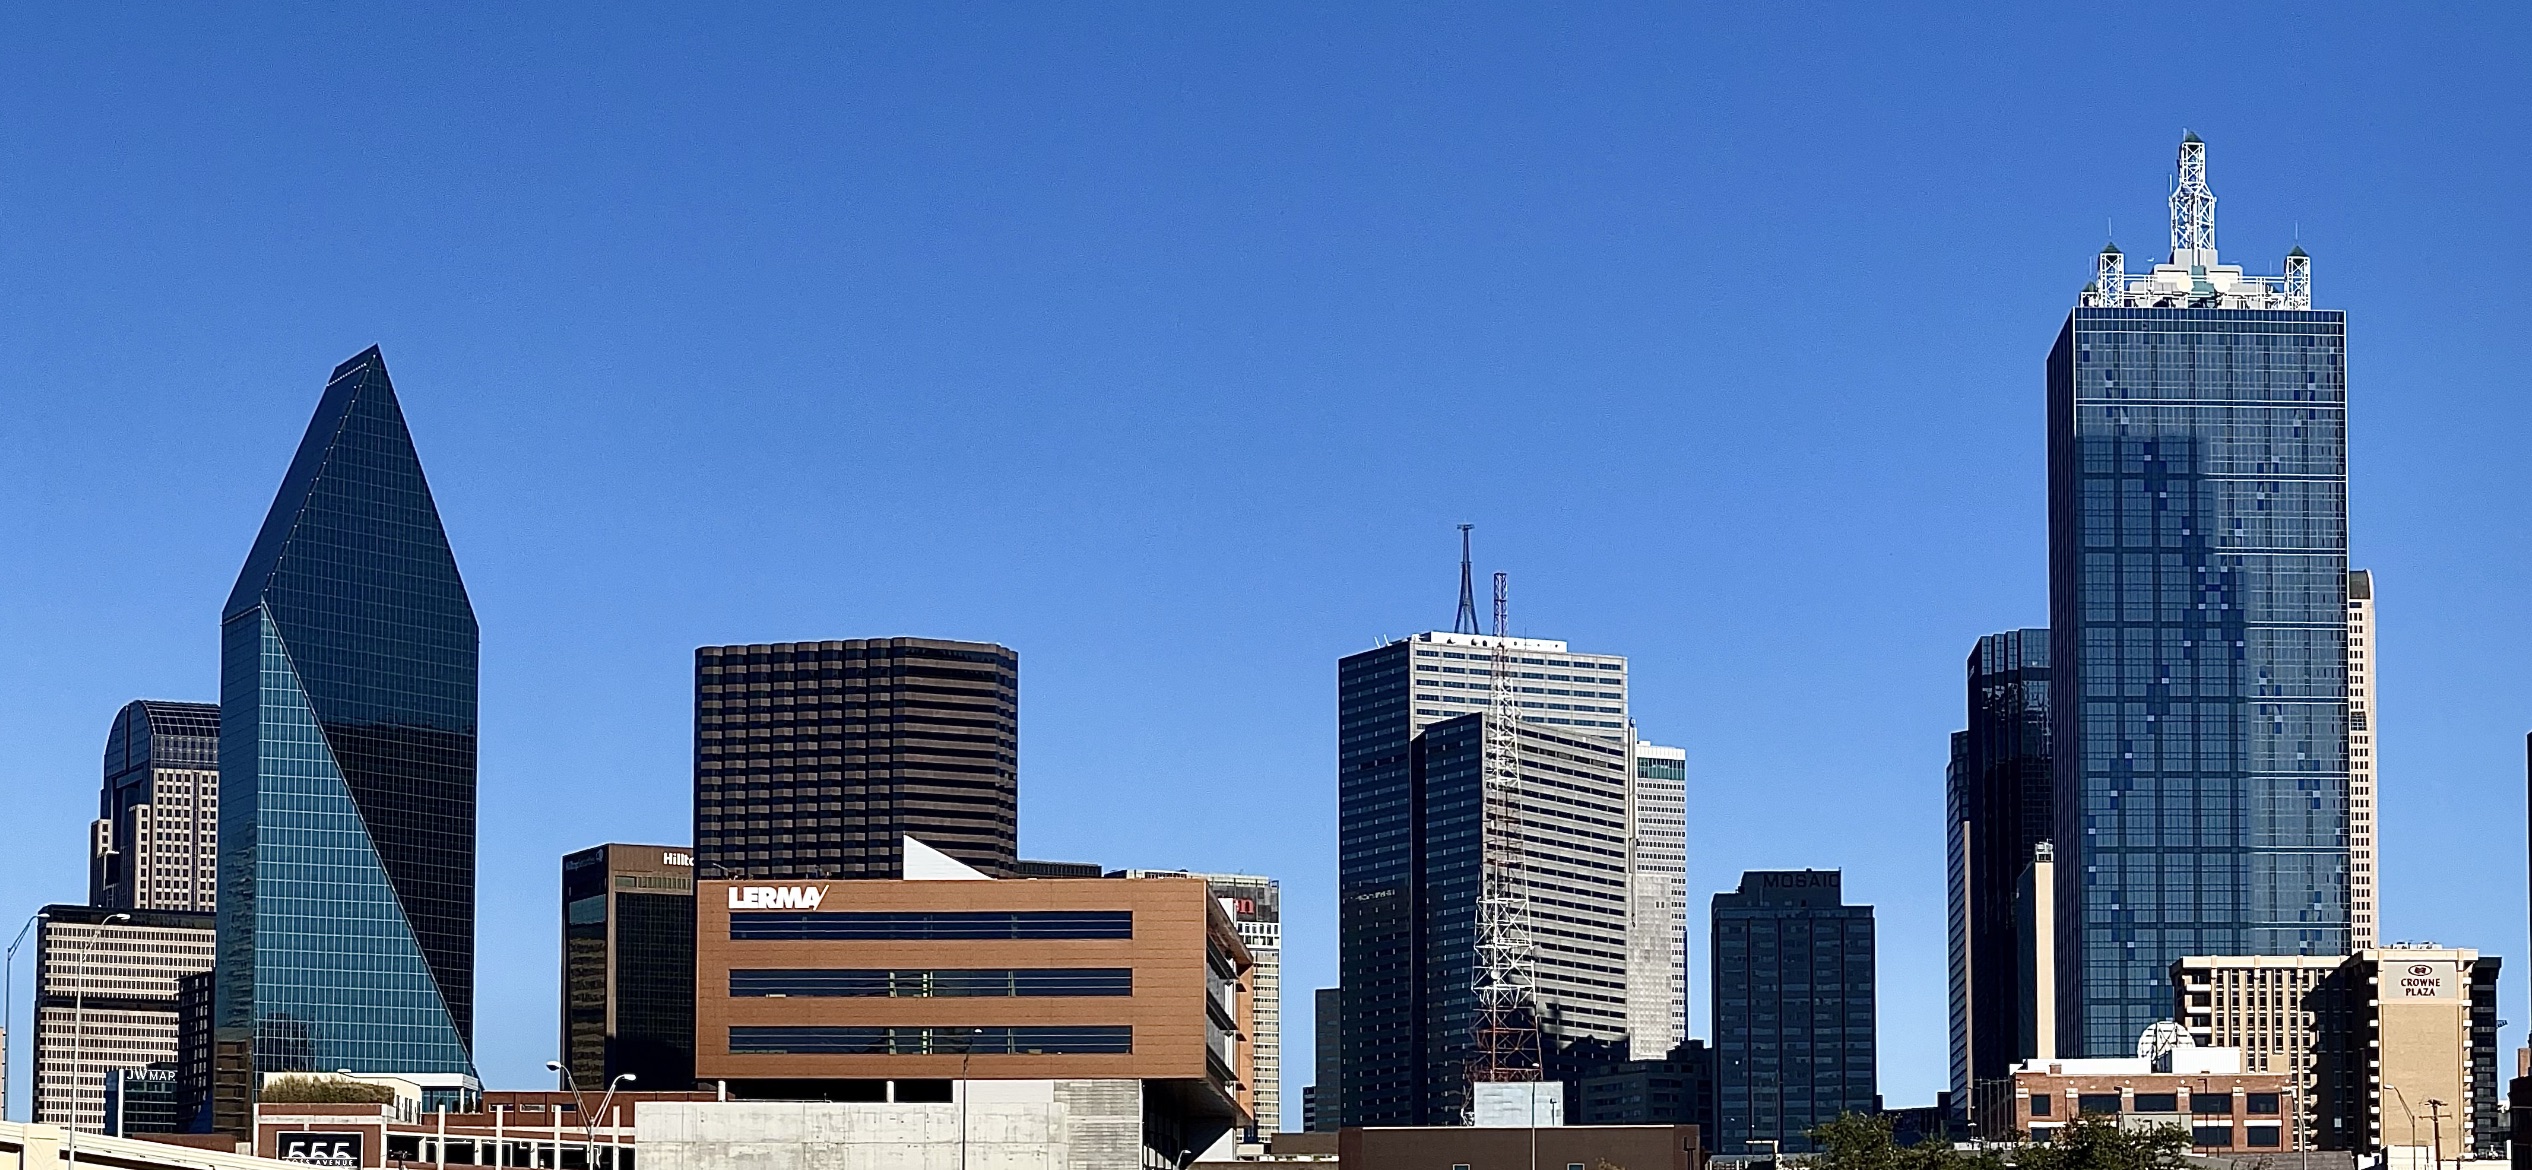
(2160, 1037)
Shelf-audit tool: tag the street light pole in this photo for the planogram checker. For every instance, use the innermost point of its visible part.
(8, 1006)
(2403, 1098)
(604, 1103)
(79, 1029)
(588, 1124)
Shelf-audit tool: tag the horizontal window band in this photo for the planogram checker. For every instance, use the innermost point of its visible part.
(938, 925)
(951, 983)
(1093, 1039)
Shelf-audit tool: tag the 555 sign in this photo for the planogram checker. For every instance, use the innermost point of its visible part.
(315, 1148)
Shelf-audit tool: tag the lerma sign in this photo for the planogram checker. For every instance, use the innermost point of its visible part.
(776, 897)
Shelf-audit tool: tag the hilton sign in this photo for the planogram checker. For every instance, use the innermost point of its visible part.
(776, 897)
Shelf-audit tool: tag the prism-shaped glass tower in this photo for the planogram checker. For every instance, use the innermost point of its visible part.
(347, 755)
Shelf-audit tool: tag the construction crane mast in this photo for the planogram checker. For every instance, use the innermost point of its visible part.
(1506, 1033)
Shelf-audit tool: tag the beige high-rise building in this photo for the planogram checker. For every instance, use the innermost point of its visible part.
(2419, 1057)
(2362, 863)
(156, 842)
(2387, 1051)
(1657, 903)
(106, 999)
(2270, 1007)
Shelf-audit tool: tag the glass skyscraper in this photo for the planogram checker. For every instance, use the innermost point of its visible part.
(1793, 1004)
(2007, 808)
(347, 760)
(2198, 618)
(628, 993)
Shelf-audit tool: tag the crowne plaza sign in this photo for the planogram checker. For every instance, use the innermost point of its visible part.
(2422, 979)
(776, 897)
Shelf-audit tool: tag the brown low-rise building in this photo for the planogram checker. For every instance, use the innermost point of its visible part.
(2202, 1090)
(893, 990)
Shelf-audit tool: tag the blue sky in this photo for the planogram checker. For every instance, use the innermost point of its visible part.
(1167, 346)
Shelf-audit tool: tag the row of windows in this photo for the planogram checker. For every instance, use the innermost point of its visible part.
(2202, 1103)
(925, 984)
(1090, 1039)
(1568, 664)
(770, 926)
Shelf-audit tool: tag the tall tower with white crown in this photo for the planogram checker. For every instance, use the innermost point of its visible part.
(2201, 720)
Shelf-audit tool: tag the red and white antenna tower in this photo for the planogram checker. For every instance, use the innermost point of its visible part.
(1506, 1034)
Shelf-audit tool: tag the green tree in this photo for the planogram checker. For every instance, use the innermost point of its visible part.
(2094, 1142)
(1860, 1142)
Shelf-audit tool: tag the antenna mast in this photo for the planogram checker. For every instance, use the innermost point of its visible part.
(1507, 1035)
(1466, 622)
(2193, 208)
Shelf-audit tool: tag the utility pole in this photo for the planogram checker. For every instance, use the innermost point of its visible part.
(2435, 1114)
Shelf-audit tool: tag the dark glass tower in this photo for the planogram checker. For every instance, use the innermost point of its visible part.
(629, 965)
(1793, 1008)
(1958, 826)
(2007, 795)
(347, 751)
(2198, 615)
(817, 759)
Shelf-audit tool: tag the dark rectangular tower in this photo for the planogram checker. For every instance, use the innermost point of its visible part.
(156, 843)
(2011, 810)
(816, 759)
(347, 755)
(1793, 1008)
(629, 966)
(2198, 614)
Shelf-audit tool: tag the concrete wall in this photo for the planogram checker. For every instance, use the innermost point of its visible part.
(1002, 1125)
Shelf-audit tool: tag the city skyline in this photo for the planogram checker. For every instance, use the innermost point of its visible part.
(1127, 511)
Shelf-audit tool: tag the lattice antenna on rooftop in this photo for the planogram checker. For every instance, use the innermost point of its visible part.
(2193, 207)
(1506, 1032)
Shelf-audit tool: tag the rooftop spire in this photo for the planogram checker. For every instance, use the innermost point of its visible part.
(1466, 622)
(2193, 208)
(2193, 278)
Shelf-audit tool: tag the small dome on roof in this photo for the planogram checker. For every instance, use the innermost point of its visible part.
(2297, 253)
(2189, 136)
(2111, 250)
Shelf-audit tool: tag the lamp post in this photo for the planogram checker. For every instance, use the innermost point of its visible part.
(604, 1103)
(8, 1005)
(966, 1053)
(2403, 1098)
(588, 1124)
(79, 1029)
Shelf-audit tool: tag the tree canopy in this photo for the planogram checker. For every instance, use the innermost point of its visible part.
(1860, 1142)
